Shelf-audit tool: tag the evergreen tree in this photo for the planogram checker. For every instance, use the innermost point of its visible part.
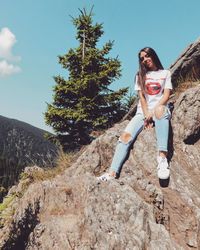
(84, 102)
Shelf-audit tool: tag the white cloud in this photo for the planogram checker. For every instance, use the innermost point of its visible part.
(7, 41)
(7, 69)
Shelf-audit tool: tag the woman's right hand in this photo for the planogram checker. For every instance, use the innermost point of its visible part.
(148, 115)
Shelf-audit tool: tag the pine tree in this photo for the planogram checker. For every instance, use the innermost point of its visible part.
(84, 102)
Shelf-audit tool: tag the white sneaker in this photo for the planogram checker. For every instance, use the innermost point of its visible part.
(106, 177)
(163, 168)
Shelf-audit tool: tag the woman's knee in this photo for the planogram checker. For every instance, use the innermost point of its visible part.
(125, 137)
(159, 111)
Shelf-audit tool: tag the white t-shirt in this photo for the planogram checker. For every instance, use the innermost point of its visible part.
(155, 83)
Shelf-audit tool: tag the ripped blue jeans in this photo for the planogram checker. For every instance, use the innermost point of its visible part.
(134, 127)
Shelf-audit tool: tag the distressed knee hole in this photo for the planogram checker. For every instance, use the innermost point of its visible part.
(125, 137)
(159, 111)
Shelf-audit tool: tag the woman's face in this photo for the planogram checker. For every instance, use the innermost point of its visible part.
(147, 61)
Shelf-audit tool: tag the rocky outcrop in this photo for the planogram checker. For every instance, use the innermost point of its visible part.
(22, 145)
(187, 66)
(136, 211)
(187, 119)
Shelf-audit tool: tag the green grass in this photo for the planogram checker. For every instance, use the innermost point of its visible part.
(6, 212)
(6, 201)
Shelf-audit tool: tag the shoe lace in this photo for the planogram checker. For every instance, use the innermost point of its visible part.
(161, 163)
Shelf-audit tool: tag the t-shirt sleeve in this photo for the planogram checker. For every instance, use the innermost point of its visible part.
(137, 87)
(168, 83)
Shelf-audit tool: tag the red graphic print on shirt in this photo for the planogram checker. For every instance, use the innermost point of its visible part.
(153, 88)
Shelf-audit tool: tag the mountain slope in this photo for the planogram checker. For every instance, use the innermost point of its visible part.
(22, 145)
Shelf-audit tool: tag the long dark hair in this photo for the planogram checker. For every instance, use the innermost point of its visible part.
(143, 70)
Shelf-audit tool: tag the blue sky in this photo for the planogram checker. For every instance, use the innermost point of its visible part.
(34, 32)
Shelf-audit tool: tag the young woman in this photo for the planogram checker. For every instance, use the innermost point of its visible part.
(153, 84)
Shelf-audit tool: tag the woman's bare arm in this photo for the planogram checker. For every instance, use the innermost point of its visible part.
(144, 106)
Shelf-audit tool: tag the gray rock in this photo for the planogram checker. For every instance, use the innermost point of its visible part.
(187, 66)
(187, 119)
(136, 211)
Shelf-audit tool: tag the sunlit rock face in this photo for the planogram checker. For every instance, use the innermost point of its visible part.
(136, 211)
(187, 66)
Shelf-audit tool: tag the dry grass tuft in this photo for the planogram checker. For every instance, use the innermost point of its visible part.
(35, 173)
(186, 85)
(65, 160)
(183, 86)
